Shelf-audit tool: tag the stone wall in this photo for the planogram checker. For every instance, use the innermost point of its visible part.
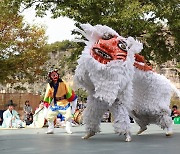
(172, 74)
(170, 70)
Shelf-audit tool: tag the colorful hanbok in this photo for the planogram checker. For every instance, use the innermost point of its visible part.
(59, 95)
(9, 123)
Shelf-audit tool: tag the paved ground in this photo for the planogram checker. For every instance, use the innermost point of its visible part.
(35, 141)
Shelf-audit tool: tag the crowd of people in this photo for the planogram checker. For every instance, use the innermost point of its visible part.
(58, 108)
(10, 118)
(38, 119)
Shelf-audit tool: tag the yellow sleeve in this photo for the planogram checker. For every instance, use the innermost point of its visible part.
(48, 94)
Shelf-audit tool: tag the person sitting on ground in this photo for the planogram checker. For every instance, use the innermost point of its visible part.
(28, 113)
(39, 116)
(60, 121)
(1, 121)
(175, 112)
(11, 117)
(1, 116)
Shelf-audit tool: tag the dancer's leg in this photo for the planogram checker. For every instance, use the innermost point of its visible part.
(92, 116)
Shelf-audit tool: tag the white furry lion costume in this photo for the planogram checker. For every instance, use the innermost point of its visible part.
(116, 78)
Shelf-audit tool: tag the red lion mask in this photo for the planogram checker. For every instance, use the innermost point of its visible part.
(110, 48)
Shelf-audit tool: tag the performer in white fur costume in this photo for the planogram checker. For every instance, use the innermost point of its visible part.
(151, 100)
(117, 78)
(109, 85)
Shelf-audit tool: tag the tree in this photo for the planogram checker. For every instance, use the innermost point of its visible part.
(154, 22)
(21, 46)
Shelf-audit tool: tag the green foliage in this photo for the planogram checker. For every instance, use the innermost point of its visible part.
(60, 46)
(82, 95)
(178, 65)
(128, 18)
(21, 46)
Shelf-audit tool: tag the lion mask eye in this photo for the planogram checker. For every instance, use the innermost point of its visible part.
(107, 36)
(122, 45)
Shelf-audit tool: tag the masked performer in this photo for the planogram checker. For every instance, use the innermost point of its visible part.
(59, 96)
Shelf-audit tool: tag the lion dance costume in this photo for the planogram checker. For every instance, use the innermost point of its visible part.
(59, 95)
(117, 78)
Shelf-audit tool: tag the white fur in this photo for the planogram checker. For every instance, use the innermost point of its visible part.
(151, 99)
(109, 86)
(120, 87)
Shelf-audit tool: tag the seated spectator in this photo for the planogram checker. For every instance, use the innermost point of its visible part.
(1, 116)
(28, 114)
(77, 117)
(175, 112)
(39, 116)
(131, 119)
(11, 117)
(60, 121)
(106, 117)
(1, 121)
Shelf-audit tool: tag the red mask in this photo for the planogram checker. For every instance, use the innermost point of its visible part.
(54, 76)
(108, 49)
